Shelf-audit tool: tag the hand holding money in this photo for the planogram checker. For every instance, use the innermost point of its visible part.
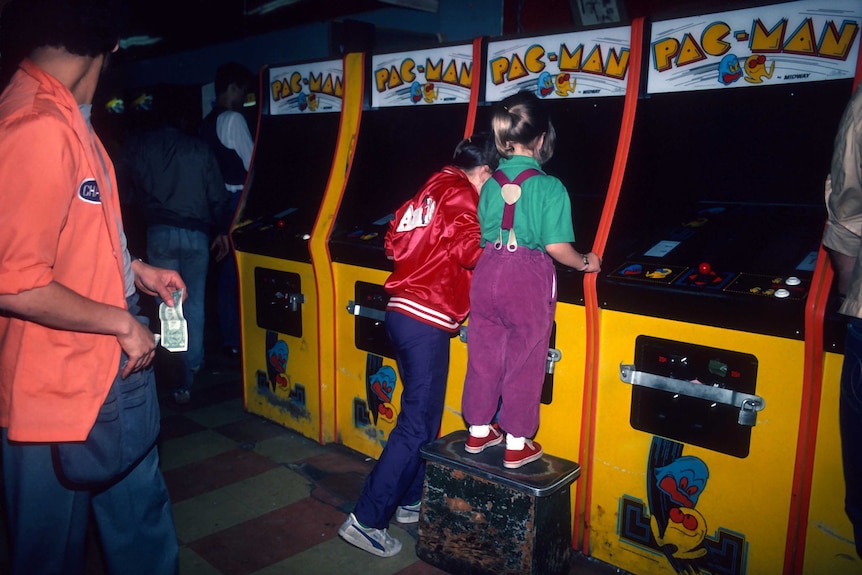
(175, 331)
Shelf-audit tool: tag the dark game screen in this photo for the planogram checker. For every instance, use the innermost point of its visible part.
(397, 150)
(292, 161)
(722, 205)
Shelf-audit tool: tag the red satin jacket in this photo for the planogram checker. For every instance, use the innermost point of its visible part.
(434, 240)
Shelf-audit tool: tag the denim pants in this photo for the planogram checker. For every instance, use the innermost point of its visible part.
(187, 252)
(48, 519)
(423, 361)
(227, 286)
(513, 298)
(850, 422)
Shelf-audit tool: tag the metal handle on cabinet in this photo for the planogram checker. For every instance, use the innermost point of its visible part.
(364, 311)
(294, 300)
(554, 355)
(748, 404)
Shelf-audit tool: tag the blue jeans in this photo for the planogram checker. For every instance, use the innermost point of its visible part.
(423, 361)
(48, 519)
(185, 251)
(228, 301)
(227, 286)
(850, 421)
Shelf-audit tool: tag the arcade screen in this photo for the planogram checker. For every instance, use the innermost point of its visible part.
(397, 151)
(722, 202)
(292, 162)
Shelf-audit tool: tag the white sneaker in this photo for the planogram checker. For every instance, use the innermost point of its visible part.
(408, 513)
(375, 541)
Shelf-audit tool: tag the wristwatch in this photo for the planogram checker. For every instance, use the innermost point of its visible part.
(586, 263)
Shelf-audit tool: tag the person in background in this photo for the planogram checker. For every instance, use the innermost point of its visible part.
(68, 295)
(526, 221)
(843, 240)
(434, 241)
(226, 130)
(176, 183)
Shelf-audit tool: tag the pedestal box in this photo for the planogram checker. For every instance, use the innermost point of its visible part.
(480, 518)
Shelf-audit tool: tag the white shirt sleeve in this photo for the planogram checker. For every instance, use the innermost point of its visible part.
(233, 133)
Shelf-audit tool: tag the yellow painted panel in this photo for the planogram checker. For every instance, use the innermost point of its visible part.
(742, 510)
(356, 427)
(452, 418)
(288, 392)
(560, 421)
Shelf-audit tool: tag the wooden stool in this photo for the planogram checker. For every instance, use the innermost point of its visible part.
(478, 517)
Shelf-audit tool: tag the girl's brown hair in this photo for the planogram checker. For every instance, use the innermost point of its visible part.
(521, 119)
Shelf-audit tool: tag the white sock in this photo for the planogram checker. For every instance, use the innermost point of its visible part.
(515, 443)
(480, 430)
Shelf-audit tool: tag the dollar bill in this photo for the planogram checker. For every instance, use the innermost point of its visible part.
(175, 330)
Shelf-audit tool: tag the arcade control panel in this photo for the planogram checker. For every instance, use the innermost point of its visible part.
(283, 235)
(362, 243)
(733, 266)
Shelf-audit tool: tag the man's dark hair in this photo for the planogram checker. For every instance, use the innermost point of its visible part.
(231, 73)
(83, 27)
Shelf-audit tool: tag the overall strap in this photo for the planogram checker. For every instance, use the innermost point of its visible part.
(501, 178)
(509, 208)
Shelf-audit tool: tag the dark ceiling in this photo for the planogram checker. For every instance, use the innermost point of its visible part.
(186, 25)
(191, 24)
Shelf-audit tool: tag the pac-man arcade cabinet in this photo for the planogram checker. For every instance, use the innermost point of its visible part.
(297, 139)
(416, 113)
(707, 270)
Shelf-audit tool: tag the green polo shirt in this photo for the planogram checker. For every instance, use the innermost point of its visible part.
(543, 214)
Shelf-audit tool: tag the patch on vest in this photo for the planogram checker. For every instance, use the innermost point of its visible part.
(417, 217)
(89, 192)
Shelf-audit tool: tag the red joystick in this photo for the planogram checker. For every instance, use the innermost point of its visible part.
(704, 268)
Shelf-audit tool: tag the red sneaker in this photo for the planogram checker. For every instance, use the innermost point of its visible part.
(515, 458)
(478, 444)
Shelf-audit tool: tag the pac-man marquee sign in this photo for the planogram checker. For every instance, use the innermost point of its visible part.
(306, 88)
(417, 78)
(805, 41)
(576, 65)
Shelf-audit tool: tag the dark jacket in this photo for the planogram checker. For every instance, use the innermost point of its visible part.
(177, 182)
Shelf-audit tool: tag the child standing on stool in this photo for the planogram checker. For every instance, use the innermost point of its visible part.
(526, 220)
